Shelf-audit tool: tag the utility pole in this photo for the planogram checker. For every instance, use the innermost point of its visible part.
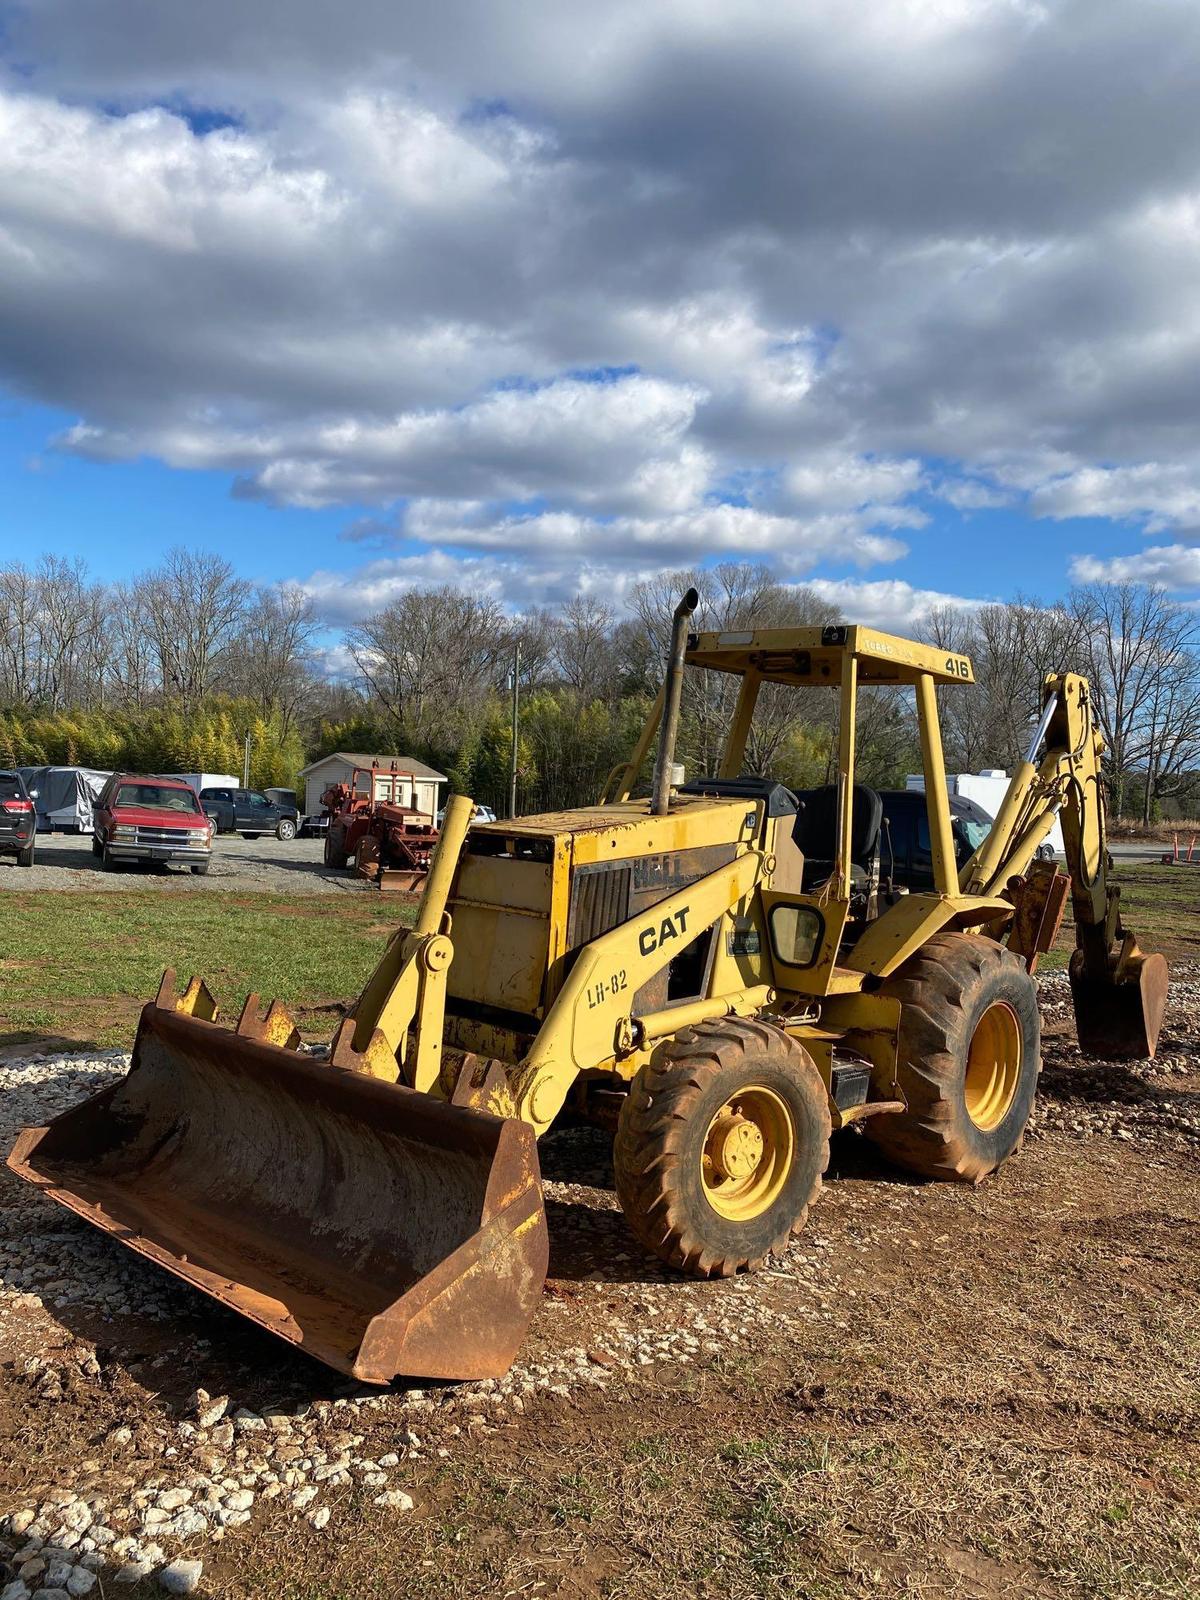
(246, 765)
(512, 771)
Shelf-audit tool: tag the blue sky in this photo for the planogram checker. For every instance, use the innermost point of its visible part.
(901, 302)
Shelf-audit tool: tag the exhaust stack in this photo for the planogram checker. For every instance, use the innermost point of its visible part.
(673, 690)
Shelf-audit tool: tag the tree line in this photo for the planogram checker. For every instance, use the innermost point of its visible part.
(172, 670)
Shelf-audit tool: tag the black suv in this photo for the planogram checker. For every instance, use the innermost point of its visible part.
(248, 812)
(18, 819)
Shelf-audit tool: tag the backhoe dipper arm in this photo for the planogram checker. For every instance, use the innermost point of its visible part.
(1119, 992)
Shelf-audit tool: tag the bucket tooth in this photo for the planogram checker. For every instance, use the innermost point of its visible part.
(276, 1027)
(377, 1060)
(195, 1001)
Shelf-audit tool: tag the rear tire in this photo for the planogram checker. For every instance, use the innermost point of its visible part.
(333, 857)
(968, 1062)
(25, 857)
(720, 1146)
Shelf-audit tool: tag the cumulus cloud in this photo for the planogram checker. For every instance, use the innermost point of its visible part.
(1174, 566)
(888, 603)
(1159, 494)
(522, 283)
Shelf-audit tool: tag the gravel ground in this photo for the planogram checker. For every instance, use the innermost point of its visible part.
(168, 1469)
(65, 861)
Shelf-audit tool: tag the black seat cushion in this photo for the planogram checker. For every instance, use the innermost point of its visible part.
(816, 829)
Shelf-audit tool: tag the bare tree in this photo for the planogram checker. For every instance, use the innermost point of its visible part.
(1141, 652)
(582, 645)
(429, 652)
(733, 596)
(19, 639)
(131, 656)
(270, 658)
(194, 606)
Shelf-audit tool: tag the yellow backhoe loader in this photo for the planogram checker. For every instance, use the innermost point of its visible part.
(722, 973)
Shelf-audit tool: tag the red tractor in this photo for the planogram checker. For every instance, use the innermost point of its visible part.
(370, 824)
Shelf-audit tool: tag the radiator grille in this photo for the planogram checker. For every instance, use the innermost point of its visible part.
(599, 901)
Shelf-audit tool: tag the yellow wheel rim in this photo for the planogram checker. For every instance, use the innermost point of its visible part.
(993, 1066)
(747, 1154)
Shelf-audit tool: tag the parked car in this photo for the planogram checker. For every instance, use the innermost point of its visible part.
(248, 812)
(905, 849)
(140, 818)
(18, 818)
(480, 814)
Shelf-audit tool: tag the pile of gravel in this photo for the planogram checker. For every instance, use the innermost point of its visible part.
(1127, 1100)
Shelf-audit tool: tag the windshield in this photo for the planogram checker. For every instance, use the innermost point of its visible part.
(156, 797)
(976, 832)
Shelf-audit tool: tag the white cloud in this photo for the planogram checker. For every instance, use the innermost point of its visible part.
(853, 257)
(1174, 566)
(888, 603)
(1161, 494)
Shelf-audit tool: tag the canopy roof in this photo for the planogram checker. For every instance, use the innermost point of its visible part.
(817, 655)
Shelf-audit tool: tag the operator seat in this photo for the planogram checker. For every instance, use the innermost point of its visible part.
(815, 831)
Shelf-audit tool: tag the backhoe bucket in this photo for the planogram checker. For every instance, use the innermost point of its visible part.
(1118, 1016)
(382, 1231)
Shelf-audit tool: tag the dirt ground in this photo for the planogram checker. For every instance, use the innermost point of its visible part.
(940, 1391)
(65, 861)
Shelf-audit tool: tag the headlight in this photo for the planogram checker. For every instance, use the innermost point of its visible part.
(124, 830)
(197, 835)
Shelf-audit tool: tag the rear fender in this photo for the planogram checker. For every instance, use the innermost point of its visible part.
(907, 926)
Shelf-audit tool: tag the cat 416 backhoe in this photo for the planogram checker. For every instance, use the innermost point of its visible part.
(722, 973)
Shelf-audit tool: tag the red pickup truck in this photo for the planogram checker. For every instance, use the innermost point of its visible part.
(150, 819)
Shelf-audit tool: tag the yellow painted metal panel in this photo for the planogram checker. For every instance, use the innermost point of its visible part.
(901, 931)
(815, 978)
(813, 656)
(580, 1030)
(500, 881)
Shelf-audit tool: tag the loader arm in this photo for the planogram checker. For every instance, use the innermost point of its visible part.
(1119, 992)
(590, 1020)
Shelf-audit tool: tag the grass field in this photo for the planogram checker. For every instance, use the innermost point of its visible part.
(1162, 906)
(80, 965)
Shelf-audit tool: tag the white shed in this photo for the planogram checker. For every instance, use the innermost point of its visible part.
(420, 788)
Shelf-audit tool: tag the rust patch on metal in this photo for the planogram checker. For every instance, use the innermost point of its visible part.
(1119, 1014)
(1040, 899)
(380, 1230)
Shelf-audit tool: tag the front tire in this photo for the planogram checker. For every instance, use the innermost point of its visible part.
(200, 869)
(108, 861)
(721, 1145)
(286, 830)
(969, 1058)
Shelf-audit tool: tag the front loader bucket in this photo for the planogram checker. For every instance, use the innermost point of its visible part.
(380, 1230)
(1118, 1017)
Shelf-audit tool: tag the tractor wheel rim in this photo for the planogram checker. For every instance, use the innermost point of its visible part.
(993, 1066)
(748, 1151)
